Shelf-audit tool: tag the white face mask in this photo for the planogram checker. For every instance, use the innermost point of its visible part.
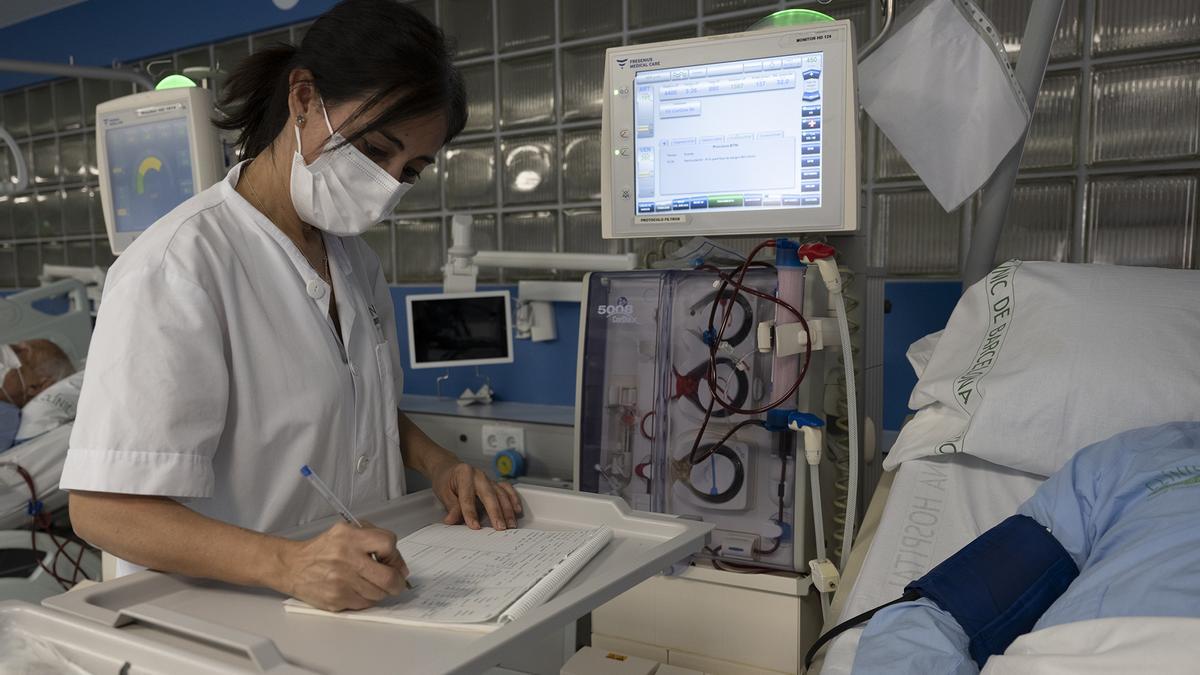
(9, 361)
(342, 192)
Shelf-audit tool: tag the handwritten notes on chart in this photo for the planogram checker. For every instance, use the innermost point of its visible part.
(462, 576)
(469, 576)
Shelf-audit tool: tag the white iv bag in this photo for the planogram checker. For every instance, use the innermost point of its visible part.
(941, 89)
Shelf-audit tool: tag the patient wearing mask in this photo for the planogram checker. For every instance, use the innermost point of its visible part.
(26, 369)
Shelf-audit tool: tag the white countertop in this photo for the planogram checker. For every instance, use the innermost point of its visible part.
(529, 413)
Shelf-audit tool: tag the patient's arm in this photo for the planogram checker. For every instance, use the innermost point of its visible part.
(921, 637)
(1119, 507)
(1065, 503)
(978, 600)
(332, 571)
(914, 637)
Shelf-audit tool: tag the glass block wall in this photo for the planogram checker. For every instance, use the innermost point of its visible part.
(1109, 174)
(1112, 163)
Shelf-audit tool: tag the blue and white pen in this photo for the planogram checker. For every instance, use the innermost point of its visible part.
(337, 505)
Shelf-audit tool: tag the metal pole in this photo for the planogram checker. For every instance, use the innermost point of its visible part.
(889, 12)
(72, 70)
(997, 193)
(582, 262)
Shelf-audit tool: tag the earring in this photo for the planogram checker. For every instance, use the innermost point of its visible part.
(300, 120)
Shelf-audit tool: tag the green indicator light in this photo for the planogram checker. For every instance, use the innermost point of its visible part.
(791, 17)
(174, 82)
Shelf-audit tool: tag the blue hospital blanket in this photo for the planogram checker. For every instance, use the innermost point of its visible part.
(1126, 509)
(10, 422)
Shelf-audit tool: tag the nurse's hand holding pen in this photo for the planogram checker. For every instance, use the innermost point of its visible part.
(348, 567)
(332, 567)
(335, 570)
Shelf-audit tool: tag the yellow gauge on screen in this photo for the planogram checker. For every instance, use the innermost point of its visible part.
(151, 163)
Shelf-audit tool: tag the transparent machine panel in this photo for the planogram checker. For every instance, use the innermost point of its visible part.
(644, 394)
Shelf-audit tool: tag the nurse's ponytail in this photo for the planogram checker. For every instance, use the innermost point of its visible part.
(255, 98)
(380, 51)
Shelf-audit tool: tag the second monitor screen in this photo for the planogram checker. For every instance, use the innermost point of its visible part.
(460, 329)
(150, 171)
(736, 135)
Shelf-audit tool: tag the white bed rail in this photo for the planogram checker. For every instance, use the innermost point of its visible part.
(20, 319)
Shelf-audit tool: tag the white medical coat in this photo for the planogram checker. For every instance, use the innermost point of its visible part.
(214, 372)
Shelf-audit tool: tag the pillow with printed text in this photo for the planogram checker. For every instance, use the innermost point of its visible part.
(1040, 359)
(50, 409)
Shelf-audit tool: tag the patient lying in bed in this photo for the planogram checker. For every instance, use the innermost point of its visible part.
(1126, 510)
(26, 369)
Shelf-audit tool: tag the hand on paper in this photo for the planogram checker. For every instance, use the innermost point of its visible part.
(334, 570)
(459, 486)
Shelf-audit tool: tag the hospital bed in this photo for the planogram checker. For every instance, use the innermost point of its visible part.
(39, 562)
(23, 316)
(1063, 385)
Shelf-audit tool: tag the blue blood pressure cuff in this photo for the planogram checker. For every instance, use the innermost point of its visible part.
(998, 586)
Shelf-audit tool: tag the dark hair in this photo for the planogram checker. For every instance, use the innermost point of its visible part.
(378, 49)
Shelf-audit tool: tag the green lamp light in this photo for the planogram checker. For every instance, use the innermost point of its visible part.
(791, 17)
(174, 82)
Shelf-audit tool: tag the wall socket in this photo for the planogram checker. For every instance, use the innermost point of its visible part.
(496, 438)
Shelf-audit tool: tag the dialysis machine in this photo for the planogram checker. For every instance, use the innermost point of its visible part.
(703, 391)
(154, 150)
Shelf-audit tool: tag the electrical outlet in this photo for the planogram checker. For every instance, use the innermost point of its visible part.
(496, 438)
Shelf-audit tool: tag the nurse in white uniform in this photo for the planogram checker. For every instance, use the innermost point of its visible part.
(250, 332)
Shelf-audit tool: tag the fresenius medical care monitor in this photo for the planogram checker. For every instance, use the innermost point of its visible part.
(154, 150)
(732, 134)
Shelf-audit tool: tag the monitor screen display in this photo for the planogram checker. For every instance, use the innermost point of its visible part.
(735, 136)
(150, 171)
(459, 330)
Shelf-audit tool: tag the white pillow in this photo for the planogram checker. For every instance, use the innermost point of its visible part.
(50, 409)
(1041, 359)
(921, 351)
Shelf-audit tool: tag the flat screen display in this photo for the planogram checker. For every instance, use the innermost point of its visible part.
(735, 136)
(150, 171)
(464, 330)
